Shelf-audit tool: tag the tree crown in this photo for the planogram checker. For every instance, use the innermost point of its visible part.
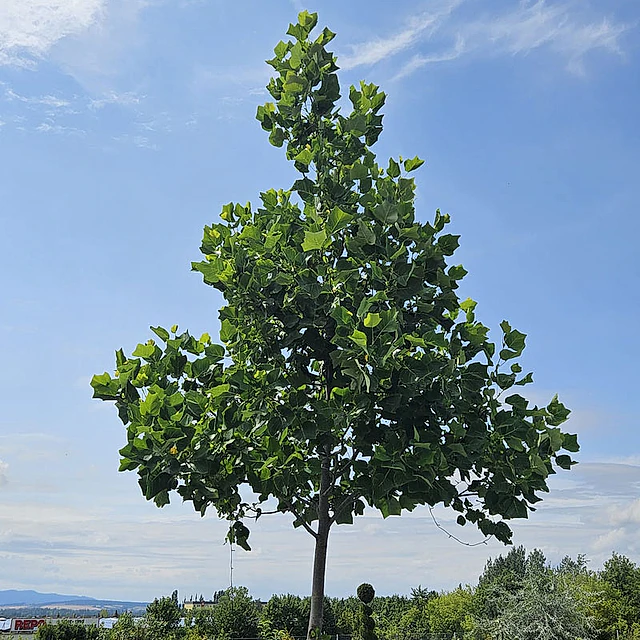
(345, 347)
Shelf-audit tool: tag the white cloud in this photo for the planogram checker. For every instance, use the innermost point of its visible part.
(47, 100)
(419, 26)
(117, 545)
(99, 54)
(29, 28)
(126, 99)
(3, 473)
(421, 60)
(58, 129)
(538, 25)
(560, 28)
(628, 515)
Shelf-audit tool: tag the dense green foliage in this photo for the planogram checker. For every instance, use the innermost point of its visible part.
(519, 596)
(350, 373)
(67, 630)
(344, 344)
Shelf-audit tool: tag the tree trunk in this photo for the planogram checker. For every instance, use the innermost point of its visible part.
(320, 555)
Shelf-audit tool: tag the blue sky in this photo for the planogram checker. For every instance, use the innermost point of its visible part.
(126, 124)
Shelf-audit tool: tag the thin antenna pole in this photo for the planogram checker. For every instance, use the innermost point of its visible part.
(231, 565)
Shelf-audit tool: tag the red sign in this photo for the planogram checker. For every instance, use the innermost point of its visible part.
(28, 624)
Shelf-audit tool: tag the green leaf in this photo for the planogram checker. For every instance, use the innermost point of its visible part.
(314, 240)
(394, 169)
(105, 387)
(359, 338)
(281, 49)
(468, 305)
(538, 464)
(359, 171)
(372, 320)
(144, 351)
(366, 233)
(515, 340)
(151, 405)
(413, 163)
(295, 59)
(342, 315)
(338, 219)
(305, 157)
(558, 412)
(564, 461)
(387, 212)
(505, 380)
(390, 507)
(518, 401)
(528, 379)
(239, 534)
(307, 20)
(277, 137)
(570, 442)
(457, 273)
(227, 330)
(448, 244)
(294, 84)
(163, 334)
(218, 390)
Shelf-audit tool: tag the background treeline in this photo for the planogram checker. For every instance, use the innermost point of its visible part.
(519, 596)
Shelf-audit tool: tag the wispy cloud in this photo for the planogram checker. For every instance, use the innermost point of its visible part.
(419, 27)
(127, 99)
(58, 129)
(137, 551)
(3, 473)
(142, 142)
(29, 28)
(558, 27)
(420, 60)
(47, 100)
(561, 28)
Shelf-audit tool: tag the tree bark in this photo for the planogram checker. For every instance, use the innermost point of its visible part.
(320, 554)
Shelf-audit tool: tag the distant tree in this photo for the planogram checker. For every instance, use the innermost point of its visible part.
(350, 373)
(67, 630)
(346, 614)
(521, 596)
(449, 614)
(388, 610)
(617, 611)
(235, 615)
(545, 610)
(286, 613)
(162, 619)
(126, 629)
(420, 594)
(501, 578)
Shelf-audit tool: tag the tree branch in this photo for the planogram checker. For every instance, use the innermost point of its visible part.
(466, 544)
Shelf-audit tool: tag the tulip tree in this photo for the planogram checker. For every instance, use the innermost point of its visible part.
(349, 374)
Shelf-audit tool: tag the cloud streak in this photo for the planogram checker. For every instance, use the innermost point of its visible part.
(558, 28)
(420, 26)
(119, 546)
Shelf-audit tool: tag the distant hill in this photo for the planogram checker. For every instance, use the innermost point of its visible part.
(28, 598)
